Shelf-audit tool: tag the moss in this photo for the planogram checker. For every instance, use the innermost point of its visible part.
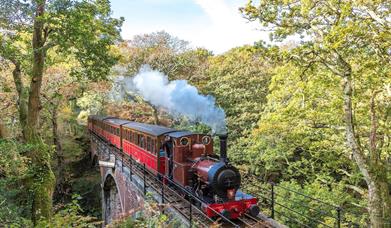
(42, 195)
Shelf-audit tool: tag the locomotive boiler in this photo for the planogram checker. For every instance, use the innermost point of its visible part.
(222, 180)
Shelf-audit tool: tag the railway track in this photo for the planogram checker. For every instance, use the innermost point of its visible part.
(249, 221)
(169, 198)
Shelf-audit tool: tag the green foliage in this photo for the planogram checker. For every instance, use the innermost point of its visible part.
(83, 30)
(12, 163)
(313, 125)
(13, 169)
(91, 103)
(70, 216)
(239, 80)
(150, 216)
(165, 53)
(301, 128)
(325, 211)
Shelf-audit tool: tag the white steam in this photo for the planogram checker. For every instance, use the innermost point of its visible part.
(177, 97)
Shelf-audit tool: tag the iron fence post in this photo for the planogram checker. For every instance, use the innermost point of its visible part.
(130, 169)
(190, 210)
(272, 203)
(162, 191)
(145, 187)
(338, 217)
(122, 162)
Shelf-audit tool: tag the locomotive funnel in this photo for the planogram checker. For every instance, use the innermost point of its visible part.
(223, 148)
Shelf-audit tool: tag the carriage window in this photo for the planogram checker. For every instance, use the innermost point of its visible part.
(118, 131)
(153, 146)
(135, 138)
(141, 141)
(148, 143)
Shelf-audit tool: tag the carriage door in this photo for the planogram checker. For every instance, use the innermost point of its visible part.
(167, 147)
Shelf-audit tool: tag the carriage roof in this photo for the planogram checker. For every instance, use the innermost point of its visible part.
(151, 129)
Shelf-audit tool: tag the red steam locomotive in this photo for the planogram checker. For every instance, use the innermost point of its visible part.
(186, 158)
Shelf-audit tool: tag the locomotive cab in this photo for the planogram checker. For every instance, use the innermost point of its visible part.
(186, 148)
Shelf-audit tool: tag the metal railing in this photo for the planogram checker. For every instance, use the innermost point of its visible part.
(295, 209)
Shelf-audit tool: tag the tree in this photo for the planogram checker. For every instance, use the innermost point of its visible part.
(239, 80)
(162, 52)
(350, 39)
(165, 53)
(82, 29)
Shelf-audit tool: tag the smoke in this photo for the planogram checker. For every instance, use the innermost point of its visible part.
(177, 97)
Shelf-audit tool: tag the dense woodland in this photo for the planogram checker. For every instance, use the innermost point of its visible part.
(311, 114)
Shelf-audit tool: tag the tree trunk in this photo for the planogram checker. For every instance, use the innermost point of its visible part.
(22, 101)
(42, 182)
(373, 172)
(34, 104)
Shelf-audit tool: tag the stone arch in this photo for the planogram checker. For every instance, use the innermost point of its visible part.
(112, 208)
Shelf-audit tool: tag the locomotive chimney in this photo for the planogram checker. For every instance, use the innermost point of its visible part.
(223, 148)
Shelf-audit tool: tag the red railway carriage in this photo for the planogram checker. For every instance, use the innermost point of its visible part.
(186, 158)
(144, 142)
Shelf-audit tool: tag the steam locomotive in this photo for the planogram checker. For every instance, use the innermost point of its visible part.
(186, 158)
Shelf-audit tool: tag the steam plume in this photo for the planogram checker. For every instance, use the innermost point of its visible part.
(177, 97)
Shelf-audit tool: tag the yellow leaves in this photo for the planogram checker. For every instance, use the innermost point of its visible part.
(305, 7)
(66, 110)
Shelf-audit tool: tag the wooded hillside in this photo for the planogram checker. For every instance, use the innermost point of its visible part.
(310, 114)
